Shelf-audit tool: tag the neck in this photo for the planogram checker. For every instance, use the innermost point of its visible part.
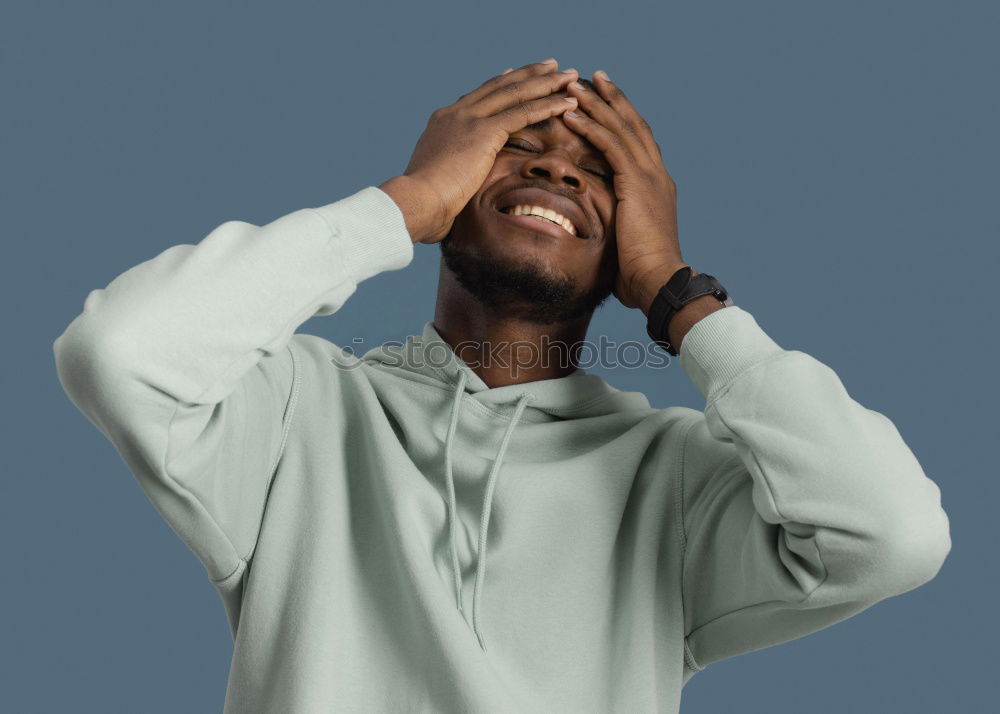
(503, 349)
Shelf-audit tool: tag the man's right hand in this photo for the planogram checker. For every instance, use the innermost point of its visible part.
(458, 148)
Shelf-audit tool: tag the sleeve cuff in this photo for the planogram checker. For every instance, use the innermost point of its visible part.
(372, 231)
(722, 345)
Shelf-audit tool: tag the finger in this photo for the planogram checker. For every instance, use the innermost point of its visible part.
(521, 114)
(634, 121)
(612, 108)
(609, 142)
(599, 112)
(508, 76)
(520, 91)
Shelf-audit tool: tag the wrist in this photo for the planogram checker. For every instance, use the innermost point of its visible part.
(413, 203)
(690, 312)
(651, 282)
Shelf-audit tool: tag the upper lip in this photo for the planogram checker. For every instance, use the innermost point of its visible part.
(547, 199)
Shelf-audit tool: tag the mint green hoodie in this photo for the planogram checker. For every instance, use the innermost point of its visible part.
(388, 534)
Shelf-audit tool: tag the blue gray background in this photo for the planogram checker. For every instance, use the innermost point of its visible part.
(837, 170)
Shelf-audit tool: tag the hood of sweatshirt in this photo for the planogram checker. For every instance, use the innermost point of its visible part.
(429, 359)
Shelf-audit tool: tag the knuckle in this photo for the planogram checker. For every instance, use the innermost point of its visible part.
(452, 121)
(522, 109)
(518, 112)
(512, 89)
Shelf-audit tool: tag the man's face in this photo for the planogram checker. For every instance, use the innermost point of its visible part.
(538, 271)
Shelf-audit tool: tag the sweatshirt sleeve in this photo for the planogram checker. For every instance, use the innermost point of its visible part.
(801, 507)
(184, 361)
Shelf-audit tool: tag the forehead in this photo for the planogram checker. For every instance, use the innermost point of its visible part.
(544, 128)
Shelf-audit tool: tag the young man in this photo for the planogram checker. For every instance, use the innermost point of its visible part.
(445, 526)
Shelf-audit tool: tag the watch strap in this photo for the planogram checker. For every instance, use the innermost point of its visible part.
(681, 289)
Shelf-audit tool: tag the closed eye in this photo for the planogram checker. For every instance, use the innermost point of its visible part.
(522, 147)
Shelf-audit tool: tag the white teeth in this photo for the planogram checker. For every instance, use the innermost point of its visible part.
(525, 210)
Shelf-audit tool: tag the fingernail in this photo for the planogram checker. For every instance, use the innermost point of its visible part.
(603, 75)
(571, 70)
(509, 69)
(572, 114)
(550, 60)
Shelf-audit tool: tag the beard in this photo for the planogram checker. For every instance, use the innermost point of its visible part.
(521, 290)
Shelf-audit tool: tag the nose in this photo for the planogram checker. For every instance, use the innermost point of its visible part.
(557, 173)
(555, 164)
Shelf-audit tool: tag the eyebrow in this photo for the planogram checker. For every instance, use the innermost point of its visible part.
(545, 127)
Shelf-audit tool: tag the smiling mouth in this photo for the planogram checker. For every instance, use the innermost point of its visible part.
(538, 223)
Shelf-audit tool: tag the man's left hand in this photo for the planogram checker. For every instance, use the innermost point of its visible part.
(646, 213)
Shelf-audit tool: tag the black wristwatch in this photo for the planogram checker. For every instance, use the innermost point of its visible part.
(677, 292)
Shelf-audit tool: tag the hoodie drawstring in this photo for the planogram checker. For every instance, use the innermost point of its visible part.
(452, 508)
(487, 502)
